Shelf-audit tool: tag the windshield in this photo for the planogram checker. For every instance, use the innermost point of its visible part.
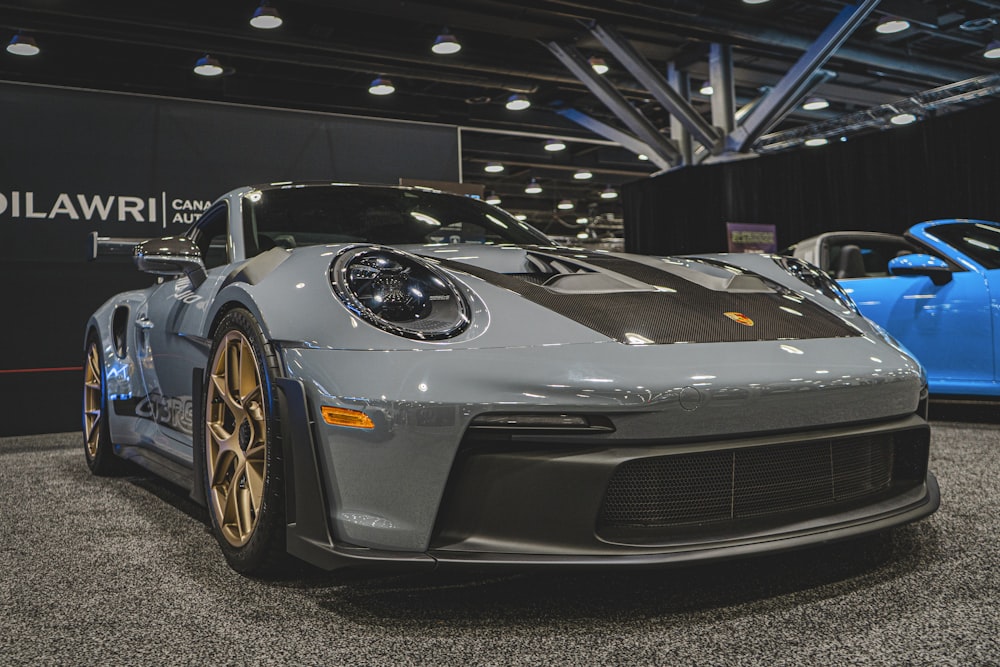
(313, 215)
(979, 241)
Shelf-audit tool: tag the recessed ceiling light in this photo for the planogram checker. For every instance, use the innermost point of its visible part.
(532, 188)
(583, 174)
(493, 168)
(266, 17)
(564, 205)
(992, 50)
(521, 216)
(892, 25)
(609, 193)
(493, 198)
(903, 119)
(642, 156)
(815, 104)
(208, 66)
(754, 2)
(555, 145)
(23, 45)
(582, 220)
(381, 86)
(598, 65)
(517, 102)
(706, 89)
(446, 43)
(817, 141)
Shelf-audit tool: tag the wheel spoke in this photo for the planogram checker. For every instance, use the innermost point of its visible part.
(248, 373)
(221, 386)
(233, 369)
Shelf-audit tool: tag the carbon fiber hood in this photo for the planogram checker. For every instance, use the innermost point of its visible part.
(652, 301)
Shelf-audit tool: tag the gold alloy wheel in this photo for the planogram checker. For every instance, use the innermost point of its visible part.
(92, 392)
(235, 439)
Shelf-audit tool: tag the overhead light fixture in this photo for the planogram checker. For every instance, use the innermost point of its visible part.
(266, 17)
(23, 45)
(642, 156)
(493, 168)
(381, 86)
(815, 104)
(582, 220)
(706, 88)
(598, 65)
(609, 193)
(817, 141)
(583, 174)
(532, 188)
(518, 102)
(892, 24)
(492, 198)
(208, 66)
(755, 2)
(903, 119)
(992, 50)
(521, 216)
(555, 145)
(446, 43)
(564, 205)
(583, 235)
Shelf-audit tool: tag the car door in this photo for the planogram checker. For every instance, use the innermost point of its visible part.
(167, 327)
(947, 327)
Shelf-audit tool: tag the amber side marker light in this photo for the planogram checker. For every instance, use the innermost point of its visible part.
(345, 417)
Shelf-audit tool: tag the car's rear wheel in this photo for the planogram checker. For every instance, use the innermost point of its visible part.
(97, 445)
(242, 447)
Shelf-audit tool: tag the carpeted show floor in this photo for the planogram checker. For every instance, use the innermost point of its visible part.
(123, 571)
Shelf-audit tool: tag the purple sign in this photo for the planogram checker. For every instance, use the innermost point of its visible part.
(750, 238)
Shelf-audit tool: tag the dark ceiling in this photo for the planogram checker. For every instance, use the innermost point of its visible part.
(326, 53)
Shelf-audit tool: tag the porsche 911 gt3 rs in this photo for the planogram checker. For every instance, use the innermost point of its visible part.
(363, 374)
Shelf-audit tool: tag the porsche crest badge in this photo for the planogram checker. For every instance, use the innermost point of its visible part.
(739, 318)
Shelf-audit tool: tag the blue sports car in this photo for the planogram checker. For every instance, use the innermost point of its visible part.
(936, 290)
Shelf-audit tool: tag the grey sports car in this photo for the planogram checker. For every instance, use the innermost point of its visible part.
(360, 374)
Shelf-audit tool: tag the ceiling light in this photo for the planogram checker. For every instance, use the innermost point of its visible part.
(642, 156)
(446, 43)
(493, 168)
(208, 66)
(492, 198)
(817, 141)
(518, 102)
(266, 17)
(754, 2)
(815, 104)
(532, 188)
(902, 119)
(521, 216)
(23, 45)
(890, 25)
(582, 220)
(582, 235)
(583, 174)
(609, 193)
(598, 65)
(554, 145)
(992, 50)
(564, 205)
(381, 86)
(706, 88)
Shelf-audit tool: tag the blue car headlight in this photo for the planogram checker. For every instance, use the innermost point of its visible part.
(818, 280)
(399, 293)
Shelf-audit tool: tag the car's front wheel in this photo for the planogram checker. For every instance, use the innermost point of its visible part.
(242, 447)
(97, 445)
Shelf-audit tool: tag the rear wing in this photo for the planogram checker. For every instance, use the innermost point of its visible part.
(109, 246)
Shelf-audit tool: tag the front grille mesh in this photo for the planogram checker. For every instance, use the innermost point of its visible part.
(746, 483)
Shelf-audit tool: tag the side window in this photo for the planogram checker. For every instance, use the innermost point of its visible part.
(210, 233)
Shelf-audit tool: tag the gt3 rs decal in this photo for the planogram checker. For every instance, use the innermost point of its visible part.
(172, 411)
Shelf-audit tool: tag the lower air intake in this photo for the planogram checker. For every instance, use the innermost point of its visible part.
(707, 489)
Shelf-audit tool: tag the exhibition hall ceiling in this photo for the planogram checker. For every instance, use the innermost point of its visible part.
(326, 54)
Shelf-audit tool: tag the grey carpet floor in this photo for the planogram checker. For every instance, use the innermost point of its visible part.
(123, 571)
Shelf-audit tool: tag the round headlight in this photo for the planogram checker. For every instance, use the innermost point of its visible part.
(399, 293)
(818, 280)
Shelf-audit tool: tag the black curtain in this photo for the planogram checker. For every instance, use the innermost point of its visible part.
(947, 167)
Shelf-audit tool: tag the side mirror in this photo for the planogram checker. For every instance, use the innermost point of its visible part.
(171, 256)
(921, 265)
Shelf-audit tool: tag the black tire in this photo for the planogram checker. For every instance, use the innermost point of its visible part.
(240, 442)
(97, 447)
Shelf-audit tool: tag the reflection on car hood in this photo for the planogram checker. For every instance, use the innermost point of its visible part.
(641, 300)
